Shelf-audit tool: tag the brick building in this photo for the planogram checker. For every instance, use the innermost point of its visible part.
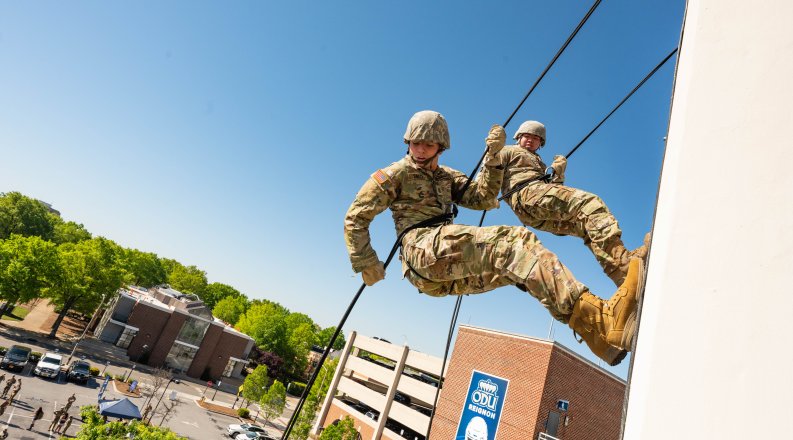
(552, 392)
(162, 327)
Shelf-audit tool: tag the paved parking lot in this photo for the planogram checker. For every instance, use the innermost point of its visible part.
(188, 420)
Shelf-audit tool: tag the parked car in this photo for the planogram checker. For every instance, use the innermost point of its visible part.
(16, 357)
(79, 371)
(249, 435)
(235, 430)
(49, 365)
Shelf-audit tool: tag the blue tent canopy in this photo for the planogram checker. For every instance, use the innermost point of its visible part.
(122, 409)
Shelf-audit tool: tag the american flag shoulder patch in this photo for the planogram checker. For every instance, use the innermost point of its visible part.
(380, 177)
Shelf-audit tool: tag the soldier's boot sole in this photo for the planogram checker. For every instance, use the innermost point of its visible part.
(623, 308)
(599, 347)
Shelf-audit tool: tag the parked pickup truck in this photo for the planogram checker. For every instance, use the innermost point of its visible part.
(49, 365)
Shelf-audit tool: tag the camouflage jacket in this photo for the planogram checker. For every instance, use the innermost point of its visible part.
(520, 165)
(413, 194)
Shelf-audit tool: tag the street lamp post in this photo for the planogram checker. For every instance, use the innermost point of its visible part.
(107, 364)
(128, 374)
(217, 386)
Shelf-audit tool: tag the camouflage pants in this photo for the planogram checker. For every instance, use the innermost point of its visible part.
(459, 259)
(562, 210)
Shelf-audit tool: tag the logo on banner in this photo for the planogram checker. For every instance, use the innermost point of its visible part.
(482, 409)
(485, 398)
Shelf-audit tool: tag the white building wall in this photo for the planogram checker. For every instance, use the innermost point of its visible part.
(715, 354)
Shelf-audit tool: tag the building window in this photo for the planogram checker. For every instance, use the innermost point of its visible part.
(192, 331)
(126, 337)
(180, 357)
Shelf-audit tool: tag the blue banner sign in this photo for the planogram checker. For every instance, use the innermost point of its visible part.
(103, 387)
(482, 409)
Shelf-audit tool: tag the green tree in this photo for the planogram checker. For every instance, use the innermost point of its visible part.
(324, 335)
(230, 309)
(324, 378)
(24, 216)
(275, 330)
(186, 279)
(217, 291)
(27, 265)
(142, 268)
(301, 335)
(93, 428)
(273, 401)
(344, 430)
(298, 347)
(86, 272)
(306, 418)
(255, 383)
(67, 232)
(315, 397)
(265, 322)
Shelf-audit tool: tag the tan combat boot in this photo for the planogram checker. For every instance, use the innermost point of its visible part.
(613, 321)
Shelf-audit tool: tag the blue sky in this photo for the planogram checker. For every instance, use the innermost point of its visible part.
(234, 136)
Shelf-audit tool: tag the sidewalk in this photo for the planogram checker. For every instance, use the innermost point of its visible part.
(278, 424)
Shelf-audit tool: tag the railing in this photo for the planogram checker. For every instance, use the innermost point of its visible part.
(546, 436)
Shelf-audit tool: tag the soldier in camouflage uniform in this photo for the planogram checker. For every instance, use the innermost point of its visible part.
(562, 210)
(458, 259)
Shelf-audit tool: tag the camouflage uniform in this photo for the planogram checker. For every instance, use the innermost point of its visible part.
(562, 210)
(460, 259)
(472, 259)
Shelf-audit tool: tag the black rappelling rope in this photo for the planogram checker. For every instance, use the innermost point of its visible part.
(522, 185)
(293, 419)
(542, 75)
(459, 300)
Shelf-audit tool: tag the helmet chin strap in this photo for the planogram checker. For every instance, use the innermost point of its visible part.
(425, 161)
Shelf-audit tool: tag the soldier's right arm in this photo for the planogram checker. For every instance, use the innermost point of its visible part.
(375, 196)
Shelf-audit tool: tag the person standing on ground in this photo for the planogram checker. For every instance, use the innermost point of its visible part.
(56, 416)
(443, 258)
(61, 422)
(36, 416)
(69, 403)
(562, 210)
(8, 386)
(68, 424)
(13, 395)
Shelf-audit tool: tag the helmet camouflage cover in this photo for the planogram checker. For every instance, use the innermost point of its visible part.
(428, 126)
(531, 127)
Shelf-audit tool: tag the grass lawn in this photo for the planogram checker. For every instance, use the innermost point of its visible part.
(17, 314)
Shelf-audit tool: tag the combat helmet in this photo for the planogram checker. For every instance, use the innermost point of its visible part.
(531, 127)
(429, 126)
